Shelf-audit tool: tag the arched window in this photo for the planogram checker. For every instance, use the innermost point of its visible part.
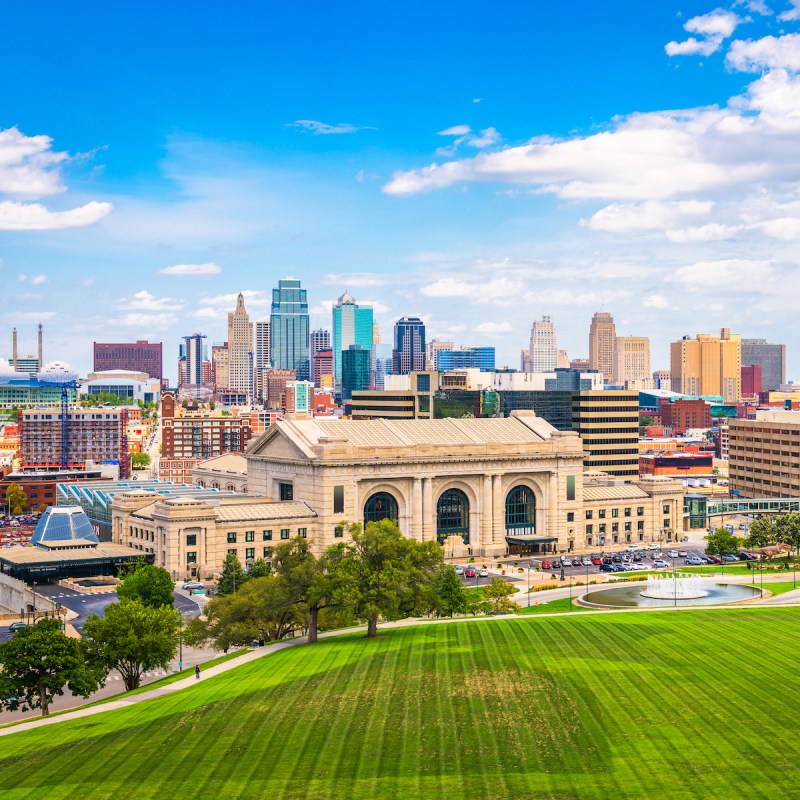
(380, 506)
(521, 509)
(452, 516)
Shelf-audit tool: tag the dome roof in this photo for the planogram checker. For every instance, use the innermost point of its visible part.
(62, 524)
(7, 373)
(57, 372)
(347, 298)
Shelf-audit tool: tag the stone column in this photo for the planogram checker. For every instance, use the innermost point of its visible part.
(416, 510)
(428, 510)
(487, 533)
(498, 513)
(552, 509)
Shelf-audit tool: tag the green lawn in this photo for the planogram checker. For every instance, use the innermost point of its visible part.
(551, 607)
(649, 705)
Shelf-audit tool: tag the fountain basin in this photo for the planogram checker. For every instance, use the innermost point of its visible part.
(634, 597)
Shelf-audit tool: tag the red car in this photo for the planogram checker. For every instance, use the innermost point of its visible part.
(469, 573)
(546, 565)
(596, 560)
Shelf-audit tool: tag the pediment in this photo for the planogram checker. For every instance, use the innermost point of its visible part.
(274, 443)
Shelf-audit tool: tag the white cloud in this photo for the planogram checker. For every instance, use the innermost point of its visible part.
(737, 274)
(151, 322)
(486, 138)
(15, 216)
(145, 301)
(713, 232)
(756, 6)
(786, 228)
(455, 130)
(716, 23)
(498, 288)
(29, 167)
(252, 299)
(493, 328)
(650, 215)
(693, 47)
(325, 129)
(207, 313)
(769, 52)
(357, 279)
(38, 280)
(655, 301)
(363, 175)
(792, 14)
(192, 270)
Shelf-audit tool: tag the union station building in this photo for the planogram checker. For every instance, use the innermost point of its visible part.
(480, 487)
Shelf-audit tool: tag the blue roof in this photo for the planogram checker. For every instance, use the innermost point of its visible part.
(62, 524)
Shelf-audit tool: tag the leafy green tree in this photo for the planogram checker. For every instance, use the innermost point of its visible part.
(16, 498)
(133, 637)
(232, 577)
(499, 594)
(723, 543)
(152, 585)
(258, 569)
(263, 608)
(383, 574)
(40, 662)
(787, 529)
(140, 460)
(450, 594)
(762, 533)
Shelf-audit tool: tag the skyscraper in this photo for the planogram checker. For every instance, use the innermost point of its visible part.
(543, 352)
(409, 346)
(632, 359)
(602, 336)
(192, 360)
(262, 360)
(289, 328)
(356, 369)
(319, 339)
(240, 349)
(352, 324)
(770, 357)
(435, 346)
(219, 359)
(139, 356)
(708, 365)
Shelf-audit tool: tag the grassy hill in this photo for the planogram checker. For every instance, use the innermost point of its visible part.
(654, 705)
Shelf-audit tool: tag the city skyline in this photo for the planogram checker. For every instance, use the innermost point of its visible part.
(477, 208)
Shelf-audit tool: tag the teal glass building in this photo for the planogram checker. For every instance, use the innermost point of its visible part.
(289, 327)
(356, 370)
(352, 325)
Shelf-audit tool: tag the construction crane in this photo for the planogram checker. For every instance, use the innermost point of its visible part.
(57, 373)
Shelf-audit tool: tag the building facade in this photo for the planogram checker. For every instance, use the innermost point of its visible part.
(220, 360)
(352, 325)
(543, 350)
(631, 360)
(482, 358)
(409, 350)
(435, 346)
(356, 374)
(708, 365)
(771, 358)
(682, 414)
(322, 364)
(191, 362)
(240, 349)
(138, 356)
(276, 387)
(602, 342)
(289, 328)
(262, 356)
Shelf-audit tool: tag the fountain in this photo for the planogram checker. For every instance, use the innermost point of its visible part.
(680, 586)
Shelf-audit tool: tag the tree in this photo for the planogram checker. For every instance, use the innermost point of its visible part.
(451, 597)
(152, 585)
(308, 583)
(499, 593)
(232, 576)
(140, 460)
(39, 662)
(723, 543)
(258, 569)
(132, 638)
(16, 498)
(383, 574)
(762, 533)
(787, 529)
(263, 608)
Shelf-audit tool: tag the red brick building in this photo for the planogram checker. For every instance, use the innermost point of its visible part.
(682, 415)
(139, 356)
(751, 381)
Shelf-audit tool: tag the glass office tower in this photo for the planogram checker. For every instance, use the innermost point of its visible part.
(352, 324)
(289, 328)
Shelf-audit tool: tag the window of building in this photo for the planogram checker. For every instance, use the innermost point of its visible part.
(249, 536)
(267, 536)
(231, 551)
(284, 533)
(616, 539)
(285, 491)
(267, 552)
(665, 509)
(601, 513)
(191, 557)
(570, 516)
(627, 537)
(588, 514)
(302, 532)
(570, 487)
(250, 553)
(191, 539)
(615, 527)
(666, 523)
(232, 539)
(589, 541)
(615, 512)
(338, 531)
(601, 528)
(627, 526)
(380, 506)
(452, 515)
(338, 500)
(627, 511)
(589, 528)
(640, 511)
(640, 525)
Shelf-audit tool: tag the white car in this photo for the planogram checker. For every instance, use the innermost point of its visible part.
(673, 554)
(586, 561)
(652, 546)
(484, 573)
(459, 570)
(659, 563)
(632, 548)
(639, 567)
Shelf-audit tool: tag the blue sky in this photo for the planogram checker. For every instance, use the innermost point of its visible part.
(478, 166)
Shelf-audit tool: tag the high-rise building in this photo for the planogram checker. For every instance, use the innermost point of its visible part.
(708, 365)
(352, 325)
(408, 354)
(381, 364)
(562, 360)
(770, 357)
(276, 387)
(319, 339)
(602, 336)
(662, 379)
(631, 359)
(289, 328)
(322, 365)
(543, 351)
(191, 362)
(376, 333)
(356, 370)
(481, 358)
(240, 349)
(581, 364)
(435, 346)
(299, 397)
(752, 381)
(262, 359)
(221, 363)
(138, 356)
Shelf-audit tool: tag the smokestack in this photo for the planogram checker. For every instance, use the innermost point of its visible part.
(41, 363)
(14, 350)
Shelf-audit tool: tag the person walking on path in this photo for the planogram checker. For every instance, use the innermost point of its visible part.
(197, 672)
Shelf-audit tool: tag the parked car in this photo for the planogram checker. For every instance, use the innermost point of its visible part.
(712, 559)
(192, 585)
(632, 548)
(606, 567)
(682, 554)
(729, 559)
(597, 560)
(586, 561)
(484, 573)
(637, 557)
(695, 561)
(18, 626)
(652, 546)
(639, 567)
(628, 567)
(459, 570)
(565, 561)
(617, 568)
(673, 554)
(576, 562)
(607, 560)
(470, 573)
(546, 565)
(659, 563)
(616, 558)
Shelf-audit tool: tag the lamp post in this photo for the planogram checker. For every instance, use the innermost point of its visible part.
(569, 608)
(674, 584)
(529, 584)
(180, 643)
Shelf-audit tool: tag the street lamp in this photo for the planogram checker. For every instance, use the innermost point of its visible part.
(180, 643)
(569, 608)
(529, 584)
(674, 584)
